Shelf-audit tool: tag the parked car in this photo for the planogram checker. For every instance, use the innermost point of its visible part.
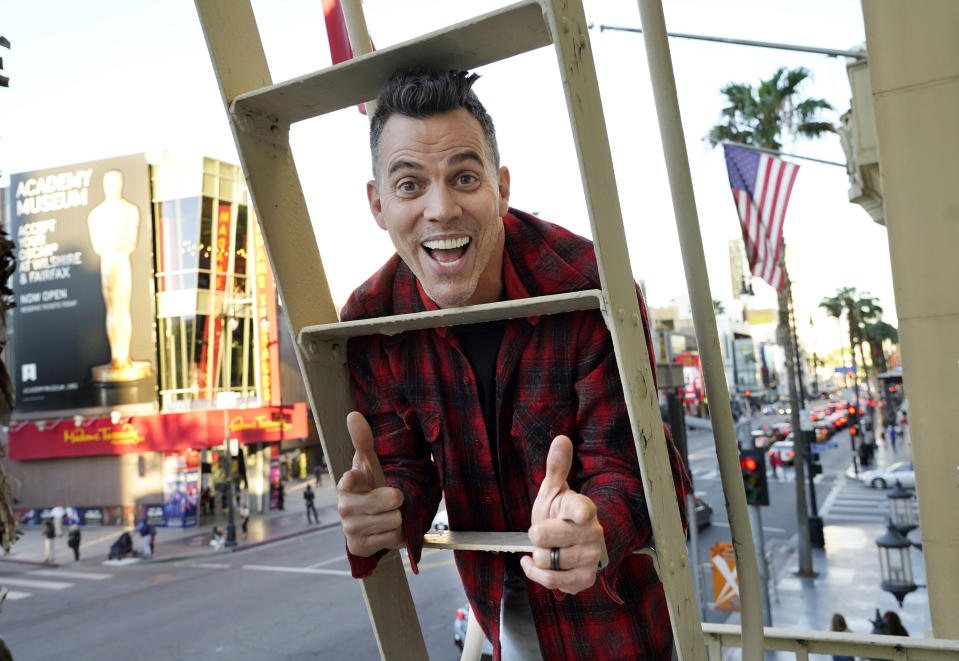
(785, 451)
(761, 438)
(900, 471)
(441, 520)
(704, 512)
(459, 631)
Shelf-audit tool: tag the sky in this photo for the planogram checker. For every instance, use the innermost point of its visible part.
(108, 78)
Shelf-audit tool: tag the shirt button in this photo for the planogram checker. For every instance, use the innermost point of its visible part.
(467, 380)
(492, 604)
(476, 442)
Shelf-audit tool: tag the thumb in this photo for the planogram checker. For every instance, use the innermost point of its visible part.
(365, 458)
(559, 461)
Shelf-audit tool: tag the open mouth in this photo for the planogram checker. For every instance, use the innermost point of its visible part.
(447, 251)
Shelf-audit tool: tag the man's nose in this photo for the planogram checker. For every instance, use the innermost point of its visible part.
(441, 204)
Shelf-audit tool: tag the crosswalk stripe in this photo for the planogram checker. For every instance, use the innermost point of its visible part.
(855, 518)
(27, 583)
(13, 595)
(87, 576)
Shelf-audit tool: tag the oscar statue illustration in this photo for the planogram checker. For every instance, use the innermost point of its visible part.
(113, 231)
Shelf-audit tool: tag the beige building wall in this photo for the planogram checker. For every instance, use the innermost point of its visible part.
(914, 70)
(127, 479)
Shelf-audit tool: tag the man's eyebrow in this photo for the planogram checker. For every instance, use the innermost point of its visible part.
(404, 165)
(463, 156)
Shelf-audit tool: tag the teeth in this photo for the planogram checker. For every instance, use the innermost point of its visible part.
(446, 244)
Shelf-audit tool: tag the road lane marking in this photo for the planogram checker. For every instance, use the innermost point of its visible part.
(299, 570)
(27, 583)
(725, 524)
(88, 576)
(204, 565)
(329, 561)
(13, 595)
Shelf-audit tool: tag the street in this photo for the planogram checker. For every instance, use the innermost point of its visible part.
(294, 598)
(779, 517)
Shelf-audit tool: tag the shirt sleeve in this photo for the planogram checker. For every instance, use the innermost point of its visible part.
(400, 447)
(609, 470)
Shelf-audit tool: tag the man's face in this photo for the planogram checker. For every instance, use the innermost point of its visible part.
(442, 201)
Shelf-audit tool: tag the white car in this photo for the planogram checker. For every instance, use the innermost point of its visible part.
(901, 472)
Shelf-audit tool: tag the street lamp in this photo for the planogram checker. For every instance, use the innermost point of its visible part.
(895, 563)
(902, 512)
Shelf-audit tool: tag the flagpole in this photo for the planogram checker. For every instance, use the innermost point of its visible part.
(776, 152)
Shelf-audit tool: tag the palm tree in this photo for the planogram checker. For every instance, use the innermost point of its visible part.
(876, 334)
(760, 117)
(861, 310)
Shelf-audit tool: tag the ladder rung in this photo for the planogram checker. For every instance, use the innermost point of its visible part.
(589, 299)
(505, 542)
(488, 38)
(471, 540)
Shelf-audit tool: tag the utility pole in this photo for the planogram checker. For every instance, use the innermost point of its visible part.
(815, 522)
(802, 515)
(228, 471)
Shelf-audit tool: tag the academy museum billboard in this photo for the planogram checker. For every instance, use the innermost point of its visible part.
(83, 337)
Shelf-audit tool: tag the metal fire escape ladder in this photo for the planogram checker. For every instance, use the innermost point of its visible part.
(260, 113)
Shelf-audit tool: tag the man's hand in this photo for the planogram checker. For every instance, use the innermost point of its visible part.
(369, 510)
(565, 520)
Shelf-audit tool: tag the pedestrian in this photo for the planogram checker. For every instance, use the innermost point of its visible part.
(318, 473)
(217, 538)
(146, 531)
(280, 495)
(57, 514)
(309, 497)
(520, 423)
(73, 541)
(776, 461)
(894, 624)
(244, 516)
(49, 540)
(839, 624)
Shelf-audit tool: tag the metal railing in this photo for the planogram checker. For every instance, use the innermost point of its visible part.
(802, 643)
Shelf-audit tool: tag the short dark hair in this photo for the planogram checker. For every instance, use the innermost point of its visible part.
(423, 93)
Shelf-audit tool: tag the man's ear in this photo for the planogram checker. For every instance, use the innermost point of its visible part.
(503, 186)
(376, 208)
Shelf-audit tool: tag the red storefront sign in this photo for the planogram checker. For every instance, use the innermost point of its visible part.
(165, 432)
(268, 354)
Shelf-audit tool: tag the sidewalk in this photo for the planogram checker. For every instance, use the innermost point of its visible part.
(181, 543)
(848, 580)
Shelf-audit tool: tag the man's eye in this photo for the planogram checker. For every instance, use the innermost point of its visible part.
(465, 179)
(406, 187)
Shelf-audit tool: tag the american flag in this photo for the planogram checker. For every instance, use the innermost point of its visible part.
(761, 185)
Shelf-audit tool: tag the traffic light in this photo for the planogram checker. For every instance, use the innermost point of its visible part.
(815, 466)
(753, 464)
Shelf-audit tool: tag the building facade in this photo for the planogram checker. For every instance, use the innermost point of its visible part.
(149, 352)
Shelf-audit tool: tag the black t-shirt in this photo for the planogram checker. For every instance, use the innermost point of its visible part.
(481, 344)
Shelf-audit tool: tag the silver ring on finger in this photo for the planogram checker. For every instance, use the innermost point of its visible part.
(554, 558)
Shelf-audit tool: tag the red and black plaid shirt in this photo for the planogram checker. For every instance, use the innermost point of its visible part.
(555, 374)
